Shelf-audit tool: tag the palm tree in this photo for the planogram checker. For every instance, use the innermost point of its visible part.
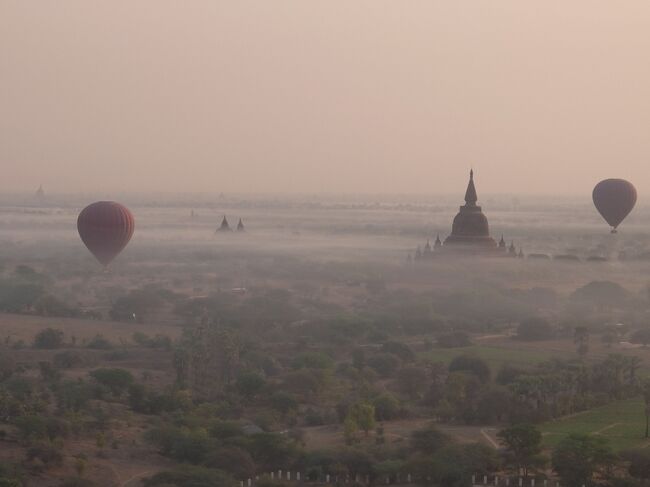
(581, 340)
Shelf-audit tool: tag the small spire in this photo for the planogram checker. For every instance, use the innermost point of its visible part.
(438, 243)
(240, 226)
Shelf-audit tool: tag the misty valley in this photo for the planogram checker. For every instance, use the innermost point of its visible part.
(309, 346)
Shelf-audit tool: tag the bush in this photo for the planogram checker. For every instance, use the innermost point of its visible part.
(387, 407)
(48, 454)
(283, 402)
(535, 329)
(31, 427)
(98, 342)
(249, 384)
(233, 460)
(68, 359)
(385, 364)
(48, 338)
(454, 339)
(188, 476)
(73, 395)
(77, 482)
(400, 350)
(470, 363)
(116, 380)
(429, 440)
(312, 360)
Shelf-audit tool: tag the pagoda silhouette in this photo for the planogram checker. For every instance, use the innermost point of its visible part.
(225, 226)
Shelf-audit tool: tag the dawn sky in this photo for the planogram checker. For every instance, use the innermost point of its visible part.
(324, 96)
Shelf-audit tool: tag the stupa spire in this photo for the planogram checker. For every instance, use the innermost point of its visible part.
(470, 194)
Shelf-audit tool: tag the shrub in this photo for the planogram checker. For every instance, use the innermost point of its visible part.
(387, 407)
(535, 329)
(98, 342)
(48, 338)
(470, 363)
(385, 364)
(400, 350)
(116, 380)
(454, 339)
(189, 476)
(68, 359)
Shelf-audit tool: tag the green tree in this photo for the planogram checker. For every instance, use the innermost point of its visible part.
(364, 416)
(645, 389)
(350, 428)
(387, 407)
(470, 363)
(578, 457)
(523, 442)
(412, 381)
(249, 384)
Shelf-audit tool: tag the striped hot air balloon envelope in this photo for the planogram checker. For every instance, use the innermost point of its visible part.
(105, 227)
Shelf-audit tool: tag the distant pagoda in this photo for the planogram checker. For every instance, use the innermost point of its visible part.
(470, 233)
(470, 227)
(240, 226)
(40, 193)
(225, 226)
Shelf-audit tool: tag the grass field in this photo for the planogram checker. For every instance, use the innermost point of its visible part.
(494, 356)
(621, 422)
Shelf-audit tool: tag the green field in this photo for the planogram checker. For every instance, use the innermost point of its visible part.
(494, 356)
(621, 422)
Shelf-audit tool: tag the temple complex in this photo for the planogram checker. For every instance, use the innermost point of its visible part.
(470, 233)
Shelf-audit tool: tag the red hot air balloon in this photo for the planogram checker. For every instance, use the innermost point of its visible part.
(105, 227)
(614, 200)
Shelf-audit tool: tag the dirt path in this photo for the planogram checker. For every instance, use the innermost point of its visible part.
(490, 440)
(136, 477)
(609, 426)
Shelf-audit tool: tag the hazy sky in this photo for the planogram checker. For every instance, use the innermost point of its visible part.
(324, 96)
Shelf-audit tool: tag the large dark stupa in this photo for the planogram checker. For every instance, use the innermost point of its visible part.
(470, 227)
(470, 234)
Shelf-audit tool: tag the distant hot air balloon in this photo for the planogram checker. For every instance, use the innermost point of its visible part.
(614, 200)
(105, 227)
